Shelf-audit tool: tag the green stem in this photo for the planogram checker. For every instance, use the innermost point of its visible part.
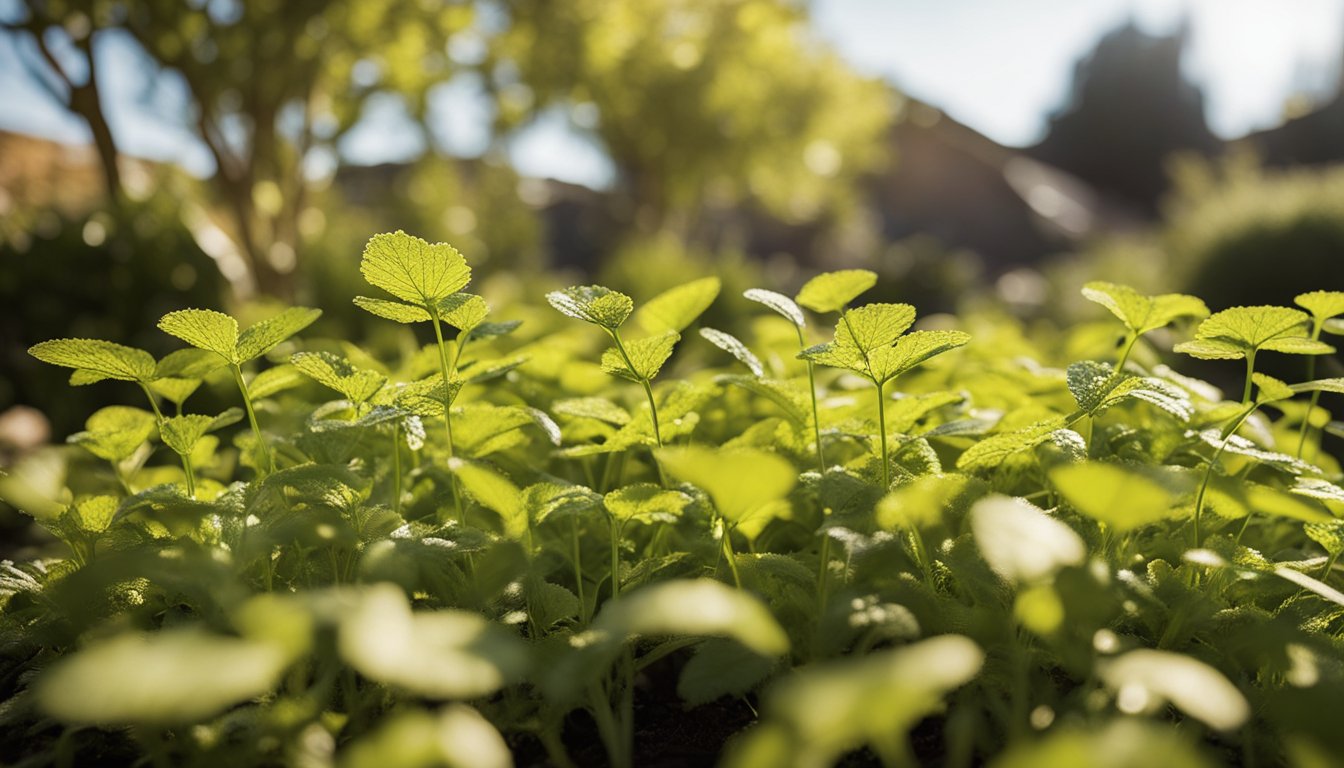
(615, 557)
(648, 393)
(153, 403)
(1250, 371)
(729, 555)
(446, 370)
(1208, 468)
(1130, 340)
(1315, 397)
(396, 467)
(1329, 564)
(824, 570)
(882, 435)
(812, 391)
(191, 479)
(268, 460)
(578, 569)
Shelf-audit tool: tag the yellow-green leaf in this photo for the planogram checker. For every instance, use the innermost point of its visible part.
(204, 329)
(170, 677)
(413, 270)
(1322, 305)
(455, 737)
(1147, 679)
(494, 492)
(463, 311)
(393, 310)
(594, 304)
(267, 334)
(100, 359)
(740, 481)
(911, 350)
(1140, 313)
(646, 503)
(831, 291)
(646, 357)
(778, 302)
(676, 308)
(694, 608)
(338, 373)
(1235, 332)
(1121, 498)
(181, 433)
(733, 346)
(873, 325)
(115, 432)
(1020, 541)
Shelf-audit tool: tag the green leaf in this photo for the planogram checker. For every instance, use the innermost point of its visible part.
(593, 304)
(1020, 541)
(676, 308)
(911, 350)
(598, 408)
(1335, 385)
(447, 654)
(190, 363)
(1147, 679)
(923, 501)
(115, 432)
(742, 482)
(993, 450)
(455, 737)
(825, 710)
(646, 357)
(181, 433)
(393, 310)
(1334, 325)
(338, 373)
(646, 503)
(1090, 382)
(694, 608)
(413, 270)
(1140, 313)
(494, 492)
(1329, 534)
(873, 325)
(1120, 498)
(463, 311)
(204, 329)
(137, 679)
(267, 334)
(1117, 743)
(831, 291)
(1311, 584)
(95, 513)
(100, 359)
(778, 302)
(721, 668)
(733, 346)
(273, 381)
(1233, 333)
(1322, 305)
(1271, 390)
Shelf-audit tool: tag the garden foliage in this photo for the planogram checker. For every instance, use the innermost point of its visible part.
(942, 545)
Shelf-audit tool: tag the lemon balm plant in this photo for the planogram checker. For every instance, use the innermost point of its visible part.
(1056, 561)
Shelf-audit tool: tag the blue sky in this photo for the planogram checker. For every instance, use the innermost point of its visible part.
(1001, 66)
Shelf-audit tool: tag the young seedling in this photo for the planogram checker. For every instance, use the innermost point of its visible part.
(872, 341)
(1242, 332)
(664, 317)
(427, 279)
(218, 333)
(825, 293)
(1326, 308)
(1141, 314)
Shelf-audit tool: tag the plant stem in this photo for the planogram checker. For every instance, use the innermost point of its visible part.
(269, 460)
(824, 571)
(729, 555)
(396, 467)
(1208, 469)
(1250, 371)
(812, 391)
(1329, 564)
(615, 557)
(191, 479)
(1131, 338)
(882, 435)
(153, 403)
(445, 369)
(578, 569)
(648, 393)
(1315, 396)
